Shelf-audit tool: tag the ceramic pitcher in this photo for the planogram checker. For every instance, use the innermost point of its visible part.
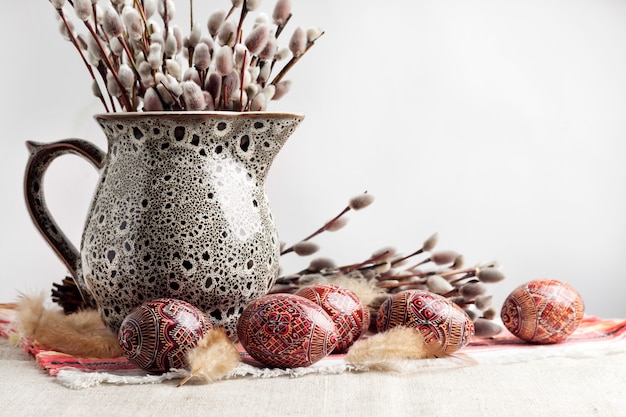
(179, 211)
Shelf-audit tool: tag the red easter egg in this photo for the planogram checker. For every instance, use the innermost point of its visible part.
(350, 315)
(286, 331)
(157, 335)
(446, 328)
(543, 311)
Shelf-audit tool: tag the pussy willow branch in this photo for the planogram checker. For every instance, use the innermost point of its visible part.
(293, 61)
(80, 52)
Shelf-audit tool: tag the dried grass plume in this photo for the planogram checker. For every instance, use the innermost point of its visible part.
(383, 351)
(81, 334)
(213, 358)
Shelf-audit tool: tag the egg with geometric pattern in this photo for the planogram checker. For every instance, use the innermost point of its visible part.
(350, 315)
(157, 335)
(445, 327)
(286, 331)
(543, 311)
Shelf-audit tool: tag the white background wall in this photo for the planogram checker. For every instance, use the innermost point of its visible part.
(499, 124)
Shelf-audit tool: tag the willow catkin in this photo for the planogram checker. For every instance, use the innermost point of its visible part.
(215, 21)
(112, 23)
(173, 68)
(150, 7)
(201, 57)
(155, 56)
(313, 33)
(224, 61)
(83, 9)
(486, 328)
(126, 76)
(195, 35)
(360, 201)
(170, 47)
(269, 51)
(257, 39)
(259, 102)
(438, 284)
(472, 290)
(282, 11)
(133, 23)
(193, 96)
(226, 33)
(252, 5)
(178, 35)
(443, 257)
(152, 101)
(213, 84)
(57, 4)
(305, 248)
(297, 43)
(489, 275)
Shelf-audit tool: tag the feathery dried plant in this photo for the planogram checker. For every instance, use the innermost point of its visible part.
(144, 61)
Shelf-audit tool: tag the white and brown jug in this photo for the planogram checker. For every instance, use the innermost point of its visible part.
(180, 211)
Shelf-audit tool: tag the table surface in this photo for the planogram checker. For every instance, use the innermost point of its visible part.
(573, 385)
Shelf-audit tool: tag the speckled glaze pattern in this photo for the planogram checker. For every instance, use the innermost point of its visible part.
(181, 212)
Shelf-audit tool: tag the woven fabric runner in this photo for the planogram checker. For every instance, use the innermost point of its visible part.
(593, 337)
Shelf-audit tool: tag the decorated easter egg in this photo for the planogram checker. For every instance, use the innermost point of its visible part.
(542, 311)
(286, 331)
(350, 315)
(446, 328)
(157, 335)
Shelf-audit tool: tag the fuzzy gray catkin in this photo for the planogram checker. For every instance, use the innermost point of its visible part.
(472, 290)
(126, 76)
(215, 21)
(252, 5)
(133, 23)
(201, 57)
(282, 88)
(259, 102)
(150, 7)
(171, 9)
(226, 33)
(360, 201)
(151, 101)
(490, 275)
(297, 43)
(269, 50)
(57, 4)
(112, 23)
(194, 36)
(193, 96)
(257, 39)
(83, 9)
(155, 56)
(305, 248)
(213, 84)
(443, 257)
(224, 61)
(282, 11)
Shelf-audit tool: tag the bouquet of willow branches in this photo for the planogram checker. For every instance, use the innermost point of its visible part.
(386, 272)
(146, 62)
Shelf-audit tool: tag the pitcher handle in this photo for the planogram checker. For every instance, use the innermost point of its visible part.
(41, 156)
